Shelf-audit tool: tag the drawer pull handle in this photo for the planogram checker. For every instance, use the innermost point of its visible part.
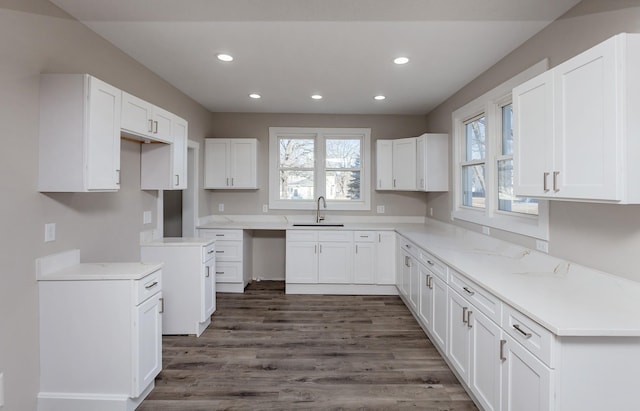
(430, 262)
(502, 343)
(518, 329)
(219, 272)
(161, 305)
(468, 291)
(220, 251)
(464, 314)
(150, 286)
(544, 182)
(469, 318)
(555, 181)
(364, 236)
(208, 274)
(210, 251)
(219, 235)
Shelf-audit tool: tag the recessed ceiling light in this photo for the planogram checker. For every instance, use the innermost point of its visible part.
(316, 96)
(401, 60)
(255, 95)
(380, 97)
(225, 57)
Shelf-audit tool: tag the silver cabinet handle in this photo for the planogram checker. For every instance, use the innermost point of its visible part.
(464, 314)
(315, 249)
(211, 251)
(356, 248)
(219, 272)
(379, 238)
(118, 175)
(427, 281)
(161, 305)
(544, 182)
(177, 179)
(232, 182)
(394, 183)
(469, 319)
(155, 131)
(320, 248)
(431, 282)
(220, 251)
(219, 235)
(150, 286)
(208, 274)
(521, 331)
(150, 126)
(430, 262)
(227, 181)
(555, 181)
(468, 291)
(502, 343)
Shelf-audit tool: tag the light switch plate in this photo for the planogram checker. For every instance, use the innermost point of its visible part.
(146, 217)
(265, 208)
(49, 232)
(542, 246)
(220, 207)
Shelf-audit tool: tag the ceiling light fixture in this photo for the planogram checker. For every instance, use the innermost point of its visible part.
(401, 60)
(255, 95)
(379, 97)
(316, 96)
(224, 57)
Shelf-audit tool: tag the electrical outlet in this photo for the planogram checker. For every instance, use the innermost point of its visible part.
(220, 207)
(380, 209)
(542, 246)
(486, 230)
(265, 208)
(146, 217)
(49, 232)
(1, 389)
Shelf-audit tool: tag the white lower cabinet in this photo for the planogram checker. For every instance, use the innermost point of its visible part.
(386, 258)
(485, 372)
(364, 263)
(189, 285)
(459, 344)
(233, 258)
(433, 306)
(335, 257)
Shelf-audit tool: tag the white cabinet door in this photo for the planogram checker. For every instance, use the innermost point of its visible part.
(404, 164)
(137, 115)
(162, 125)
(147, 343)
(486, 364)
(526, 382)
(242, 163)
(404, 273)
(208, 291)
(425, 311)
(533, 137)
(384, 164)
(364, 263)
(458, 347)
(103, 136)
(440, 312)
(334, 263)
(216, 158)
(586, 128)
(386, 258)
(414, 284)
(432, 162)
(164, 166)
(302, 262)
(180, 142)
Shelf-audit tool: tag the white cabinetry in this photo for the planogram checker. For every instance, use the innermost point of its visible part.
(233, 258)
(79, 138)
(364, 261)
(386, 258)
(100, 333)
(432, 162)
(575, 127)
(230, 163)
(189, 285)
(142, 119)
(335, 257)
(384, 164)
(164, 166)
(404, 164)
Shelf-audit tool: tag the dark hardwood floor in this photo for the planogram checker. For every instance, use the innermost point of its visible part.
(269, 351)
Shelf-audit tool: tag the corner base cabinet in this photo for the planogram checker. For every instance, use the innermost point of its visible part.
(234, 248)
(188, 282)
(100, 334)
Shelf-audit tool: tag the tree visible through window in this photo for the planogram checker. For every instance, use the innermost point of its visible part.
(473, 166)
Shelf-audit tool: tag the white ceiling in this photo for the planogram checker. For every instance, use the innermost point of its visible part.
(287, 50)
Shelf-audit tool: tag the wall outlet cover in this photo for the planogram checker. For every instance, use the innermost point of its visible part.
(380, 209)
(49, 232)
(542, 246)
(220, 207)
(265, 208)
(146, 217)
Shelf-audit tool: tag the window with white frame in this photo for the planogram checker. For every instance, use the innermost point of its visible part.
(306, 163)
(483, 164)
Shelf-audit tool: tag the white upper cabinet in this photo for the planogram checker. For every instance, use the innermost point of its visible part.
(230, 163)
(164, 166)
(413, 164)
(142, 119)
(79, 139)
(432, 162)
(576, 130)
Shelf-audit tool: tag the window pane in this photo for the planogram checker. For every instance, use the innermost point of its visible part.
(507, 130)
(296, 185)
(475, 138)
(343, 185)
(296, 152)
(473, 188)
(506, 200)
(342, 153)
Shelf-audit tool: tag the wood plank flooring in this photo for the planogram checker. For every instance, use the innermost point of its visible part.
(269, 351)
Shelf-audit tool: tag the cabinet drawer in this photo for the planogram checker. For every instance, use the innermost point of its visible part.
(408, 246)
(235, 235)
(147, 286)
(228, 272)
(335, 236)
(209, 252)
(433, 264)
(480, 298)
(228, 251)
(534, 337)
(302, 235)
(365, 236)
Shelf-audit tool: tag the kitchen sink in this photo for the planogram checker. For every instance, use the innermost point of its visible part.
(318, 225)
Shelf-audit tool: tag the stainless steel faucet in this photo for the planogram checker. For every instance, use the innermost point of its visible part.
(324, 204)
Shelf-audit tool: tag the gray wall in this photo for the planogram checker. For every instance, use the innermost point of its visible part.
(227, 125)
(602, 236)
(37, 37)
